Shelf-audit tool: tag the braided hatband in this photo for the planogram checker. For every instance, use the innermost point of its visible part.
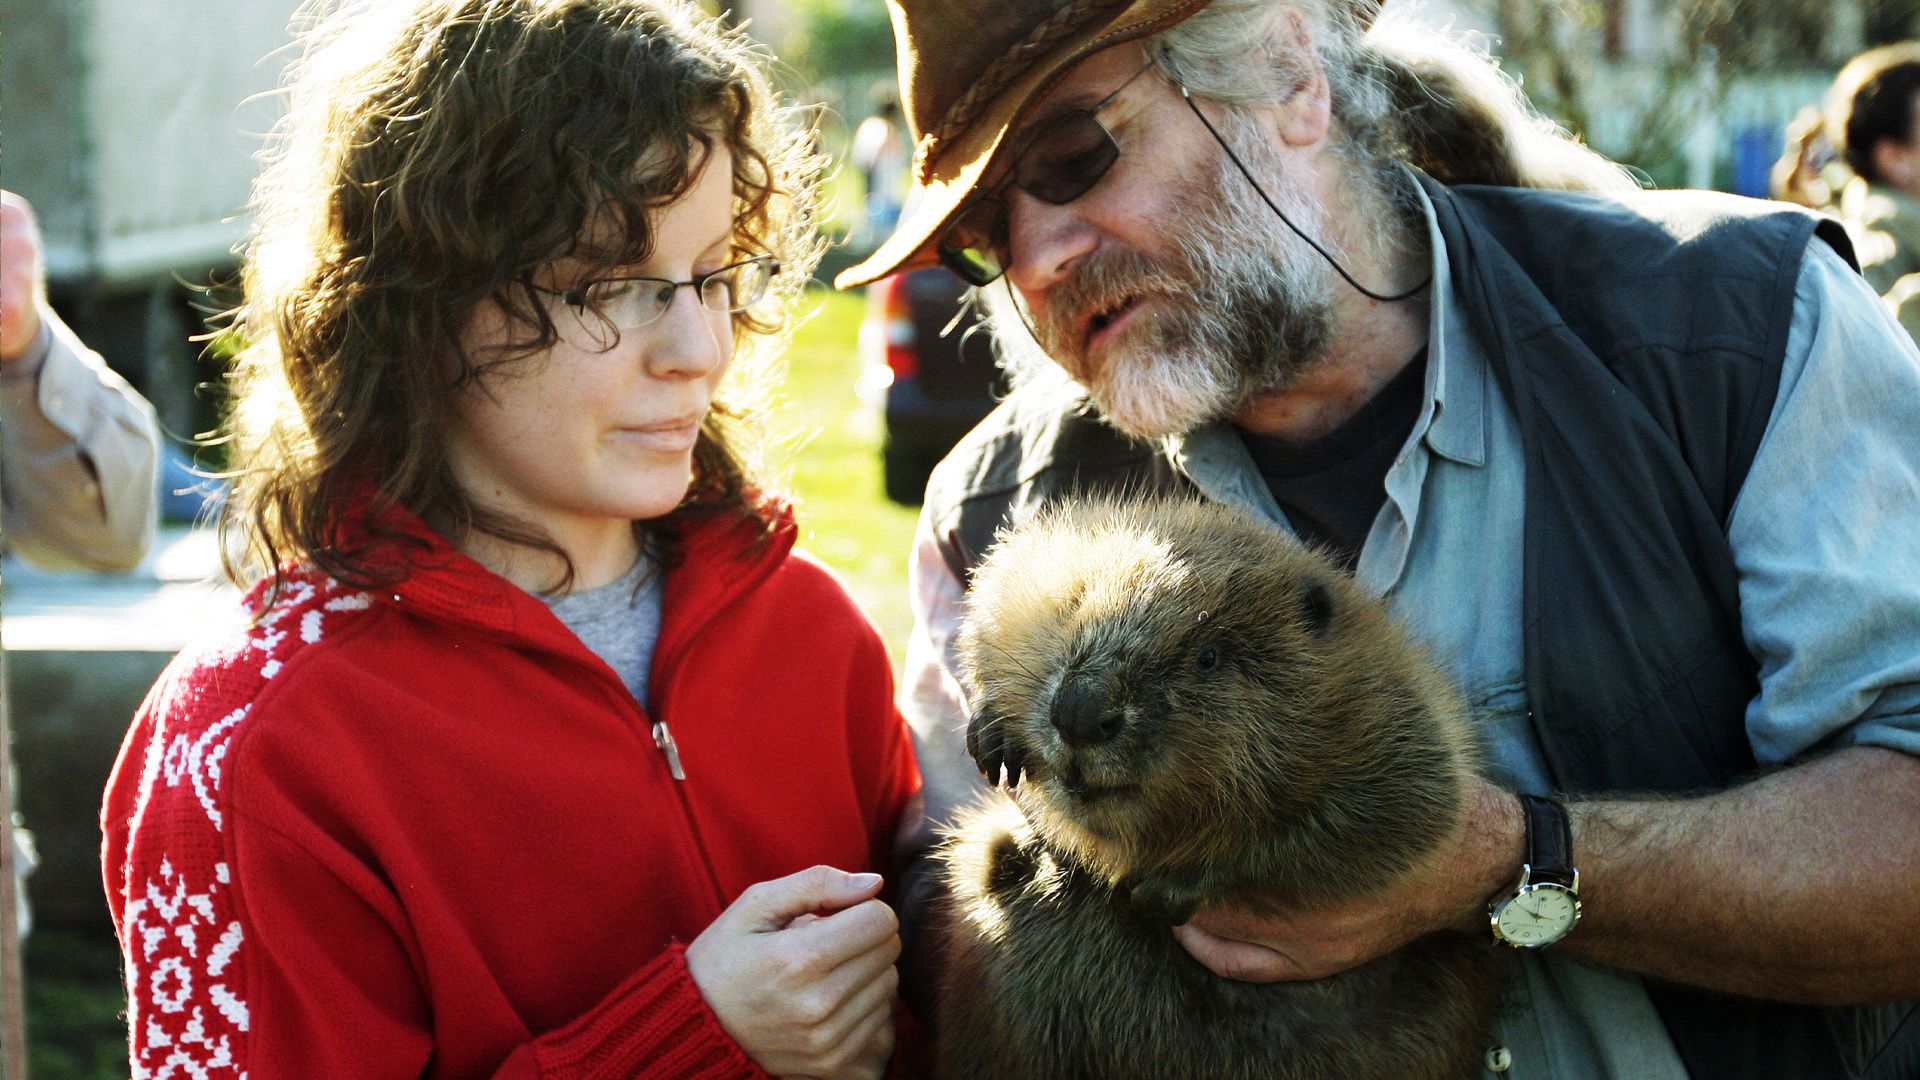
(1003, 71)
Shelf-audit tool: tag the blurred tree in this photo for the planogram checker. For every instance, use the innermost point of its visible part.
(1891, 20)
(1581, 58)
(839, 41)
(1651, 70)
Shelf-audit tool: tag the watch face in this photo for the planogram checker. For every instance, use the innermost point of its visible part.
(1539, 915)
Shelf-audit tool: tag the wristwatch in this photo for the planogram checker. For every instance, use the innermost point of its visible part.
(1543, 907)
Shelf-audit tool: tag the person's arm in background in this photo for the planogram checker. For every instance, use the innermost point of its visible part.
(78, 446)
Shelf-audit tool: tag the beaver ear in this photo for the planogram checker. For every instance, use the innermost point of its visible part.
(1316, 606)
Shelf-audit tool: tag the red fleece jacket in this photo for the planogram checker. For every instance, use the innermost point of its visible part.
(427, 832)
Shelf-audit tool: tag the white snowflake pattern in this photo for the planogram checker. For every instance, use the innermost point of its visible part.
(184, 948)
(308, 598)
(198, 761)
(175, 974)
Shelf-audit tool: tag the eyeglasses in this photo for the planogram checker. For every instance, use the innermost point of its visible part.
(1060, 162)
(629, 303)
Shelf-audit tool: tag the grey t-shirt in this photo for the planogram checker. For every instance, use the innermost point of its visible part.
(619, 621)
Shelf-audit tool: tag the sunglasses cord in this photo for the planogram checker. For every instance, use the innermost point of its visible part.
(1288, 222)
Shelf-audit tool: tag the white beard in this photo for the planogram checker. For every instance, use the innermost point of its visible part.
(1238, 308)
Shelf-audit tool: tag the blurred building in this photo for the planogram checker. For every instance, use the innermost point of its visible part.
(131, 125)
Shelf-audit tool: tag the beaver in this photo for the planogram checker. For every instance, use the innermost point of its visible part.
(1191, 708)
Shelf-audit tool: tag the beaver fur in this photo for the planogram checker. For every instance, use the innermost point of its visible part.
(1191, 708)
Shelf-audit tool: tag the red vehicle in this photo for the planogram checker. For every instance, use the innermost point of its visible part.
(931, 363)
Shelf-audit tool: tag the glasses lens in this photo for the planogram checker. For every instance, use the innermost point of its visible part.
(597, 313)
(740, 286)
(630, 303)
(1066, 159)
(971, 246)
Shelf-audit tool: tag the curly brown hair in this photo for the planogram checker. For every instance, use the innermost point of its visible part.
(435, 155)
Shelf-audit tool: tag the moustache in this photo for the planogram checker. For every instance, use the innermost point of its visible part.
(1100, 283)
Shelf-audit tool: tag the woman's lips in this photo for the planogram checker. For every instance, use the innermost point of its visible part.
(667, 437)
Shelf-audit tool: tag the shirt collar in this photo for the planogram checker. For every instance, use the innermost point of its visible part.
(1457, 370)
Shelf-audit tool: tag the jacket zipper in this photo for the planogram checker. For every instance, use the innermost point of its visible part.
(670, 750)
(663, 738)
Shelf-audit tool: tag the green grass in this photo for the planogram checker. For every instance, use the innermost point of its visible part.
(845, 519)
(75, 1030)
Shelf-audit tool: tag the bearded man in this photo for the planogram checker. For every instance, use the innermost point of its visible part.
(1641, 468)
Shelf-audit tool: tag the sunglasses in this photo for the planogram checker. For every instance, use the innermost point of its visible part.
(1060, 162)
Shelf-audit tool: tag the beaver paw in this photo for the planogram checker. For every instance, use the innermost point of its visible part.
(992, 749)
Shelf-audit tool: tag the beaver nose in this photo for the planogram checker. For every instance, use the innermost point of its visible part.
(1085, 714)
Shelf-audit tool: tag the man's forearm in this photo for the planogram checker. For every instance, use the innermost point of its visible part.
(1800, 886)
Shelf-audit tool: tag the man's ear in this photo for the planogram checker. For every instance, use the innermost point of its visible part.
(1305, 111)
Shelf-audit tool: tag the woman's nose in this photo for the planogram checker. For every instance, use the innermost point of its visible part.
(689, 340)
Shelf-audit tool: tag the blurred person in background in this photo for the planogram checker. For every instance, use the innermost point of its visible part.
(544, 754)
(880, 151)
(1870, 117)
(78, 445)
(1870, 121)
(1639, 467)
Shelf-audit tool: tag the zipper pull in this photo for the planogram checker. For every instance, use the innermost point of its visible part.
(663, 739)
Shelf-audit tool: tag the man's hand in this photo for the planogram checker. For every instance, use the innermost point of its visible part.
(1449, 890)
(22, 278)
(1798, 886)
(805, 994)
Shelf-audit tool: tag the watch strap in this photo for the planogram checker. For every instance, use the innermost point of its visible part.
(1549, 839)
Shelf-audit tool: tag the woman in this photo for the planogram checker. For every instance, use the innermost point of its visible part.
(543, 754)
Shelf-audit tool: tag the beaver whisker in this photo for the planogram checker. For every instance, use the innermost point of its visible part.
(1013, 659)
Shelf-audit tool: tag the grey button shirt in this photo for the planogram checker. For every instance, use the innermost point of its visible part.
(1823, 539)
(78, 453)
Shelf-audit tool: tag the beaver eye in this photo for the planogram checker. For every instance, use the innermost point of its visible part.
(1207, 658)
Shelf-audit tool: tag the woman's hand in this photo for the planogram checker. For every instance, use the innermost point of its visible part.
(800, 972)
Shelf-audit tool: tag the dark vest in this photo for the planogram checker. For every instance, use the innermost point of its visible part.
(1639, 341)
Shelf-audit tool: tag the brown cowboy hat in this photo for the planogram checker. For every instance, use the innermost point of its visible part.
(968, 71)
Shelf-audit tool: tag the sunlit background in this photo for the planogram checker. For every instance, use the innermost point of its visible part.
(131, 125)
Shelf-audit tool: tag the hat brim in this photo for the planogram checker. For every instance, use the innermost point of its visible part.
(959, 166)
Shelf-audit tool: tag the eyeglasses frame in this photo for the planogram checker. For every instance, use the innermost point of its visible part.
(1092, 113)
(576, 297)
